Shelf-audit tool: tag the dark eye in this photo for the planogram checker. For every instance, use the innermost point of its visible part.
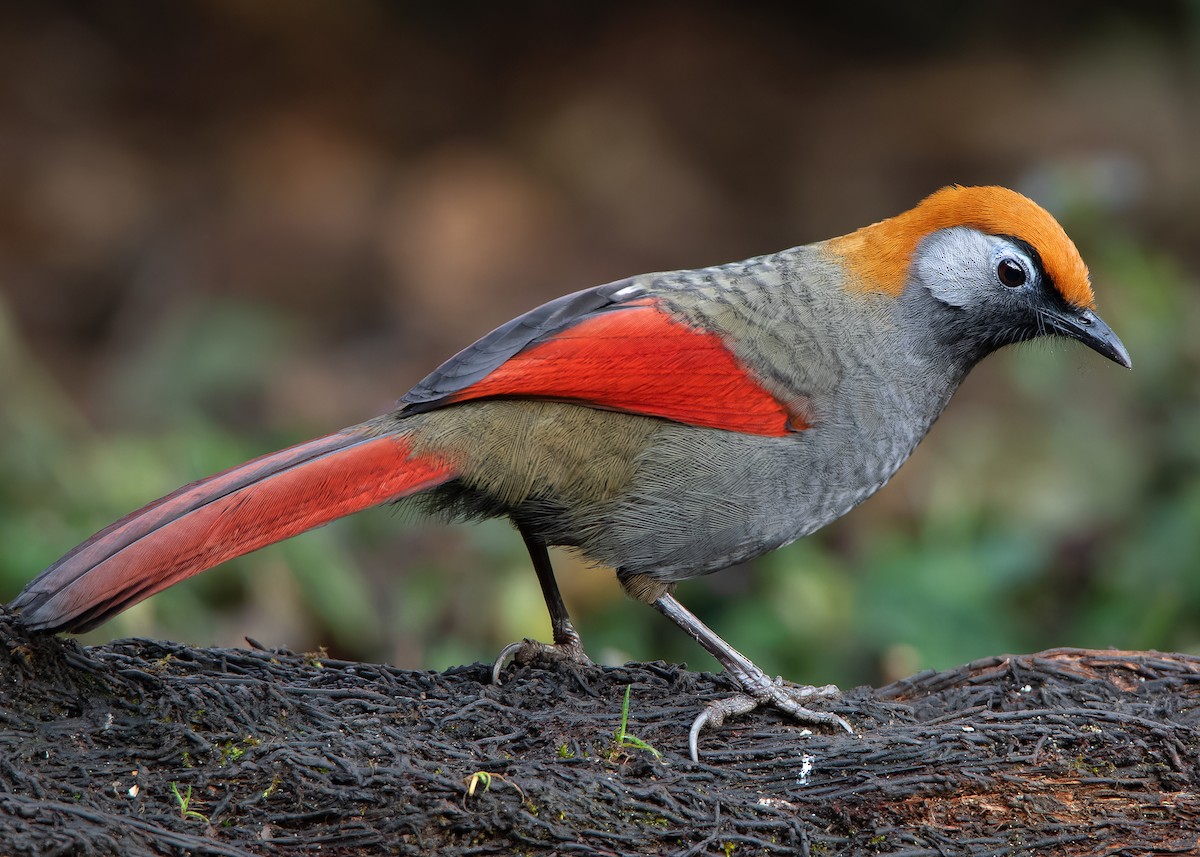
(1010, 273)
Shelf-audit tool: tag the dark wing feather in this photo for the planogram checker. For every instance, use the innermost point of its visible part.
(477, 361)
(617, 347)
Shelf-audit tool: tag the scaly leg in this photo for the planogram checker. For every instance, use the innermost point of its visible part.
(759, 689)
(567, 645)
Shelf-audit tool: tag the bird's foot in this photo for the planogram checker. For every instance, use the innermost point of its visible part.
(757, 688)
(788, 698)
(567, 648)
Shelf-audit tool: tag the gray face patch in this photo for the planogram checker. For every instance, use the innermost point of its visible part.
(959, 266)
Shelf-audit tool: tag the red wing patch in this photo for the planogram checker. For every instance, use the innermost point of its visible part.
(639, 360)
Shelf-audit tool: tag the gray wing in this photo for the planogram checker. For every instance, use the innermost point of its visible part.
(477, 361)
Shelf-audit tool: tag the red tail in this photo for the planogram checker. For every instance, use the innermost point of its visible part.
(200, 525)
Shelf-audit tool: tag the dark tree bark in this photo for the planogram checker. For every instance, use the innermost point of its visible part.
(143, 747)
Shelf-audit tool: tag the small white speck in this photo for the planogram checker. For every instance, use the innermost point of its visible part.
(1027, 688)
(627, 292)
(776, 803)
(108, 722)
(966, 728)
(806, 768)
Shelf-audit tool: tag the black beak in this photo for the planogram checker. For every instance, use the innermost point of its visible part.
(1090, 329)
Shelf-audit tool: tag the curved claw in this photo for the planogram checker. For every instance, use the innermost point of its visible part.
(526, 650)
(787, 699)
(505, 653)
(828, 718)
(714, 715)
(777, 694)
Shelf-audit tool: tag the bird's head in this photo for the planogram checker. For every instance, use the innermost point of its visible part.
(987, 267)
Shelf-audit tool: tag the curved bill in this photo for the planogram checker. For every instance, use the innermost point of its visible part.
(1088, 328)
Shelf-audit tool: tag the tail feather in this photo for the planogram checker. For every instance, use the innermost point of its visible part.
(224, 516)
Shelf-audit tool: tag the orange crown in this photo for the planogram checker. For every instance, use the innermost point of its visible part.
(878, 256)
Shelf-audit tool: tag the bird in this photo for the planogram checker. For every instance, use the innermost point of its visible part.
(666, 426)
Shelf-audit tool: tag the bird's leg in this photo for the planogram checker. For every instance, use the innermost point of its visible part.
(758, 688)
(567, 645)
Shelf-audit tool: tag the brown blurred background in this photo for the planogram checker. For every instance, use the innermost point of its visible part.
(230, 226)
